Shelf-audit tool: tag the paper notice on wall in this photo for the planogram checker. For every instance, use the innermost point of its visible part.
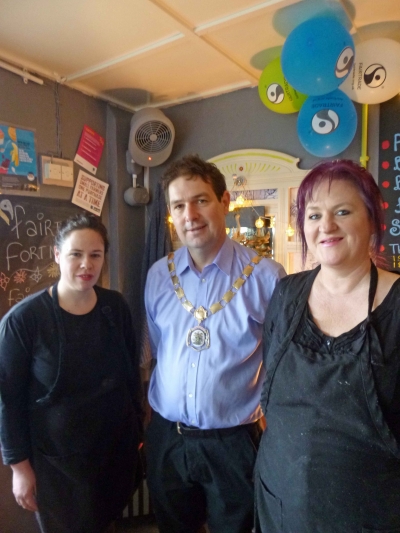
(89, 193)
(89, 150)
(18, 168)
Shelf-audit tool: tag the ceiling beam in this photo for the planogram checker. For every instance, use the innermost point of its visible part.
(198, 32)
(105, 65)
(232, 17)
(190, 29)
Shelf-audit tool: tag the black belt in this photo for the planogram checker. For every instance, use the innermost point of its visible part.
(193, 431)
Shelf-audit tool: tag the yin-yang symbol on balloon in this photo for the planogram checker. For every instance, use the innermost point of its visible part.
(325, 121)
(275, 93)
(374, 75)
(344, 62)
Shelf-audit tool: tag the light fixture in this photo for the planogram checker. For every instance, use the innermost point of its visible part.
(243, 197)
(289, 231)
(240, 200)
(169, 218)
(259, 223)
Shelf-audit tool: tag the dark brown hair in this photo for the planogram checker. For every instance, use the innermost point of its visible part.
(84, 220)
(192, 166)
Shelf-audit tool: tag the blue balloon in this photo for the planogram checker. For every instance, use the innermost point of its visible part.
(317, 56)
(326, 124)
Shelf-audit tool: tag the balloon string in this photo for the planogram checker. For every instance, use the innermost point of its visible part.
(364, 136)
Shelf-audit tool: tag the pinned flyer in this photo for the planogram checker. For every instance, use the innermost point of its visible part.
(18, 169)
(89, 150)
(89, 193)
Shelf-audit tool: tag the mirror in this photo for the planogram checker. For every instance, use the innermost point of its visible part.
(242, 226)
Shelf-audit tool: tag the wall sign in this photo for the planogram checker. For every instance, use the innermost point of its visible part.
(18, 165)
(89, 150)
(89, 193)
(27, 230)
(389, 179)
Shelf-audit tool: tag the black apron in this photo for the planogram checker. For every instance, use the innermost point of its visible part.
(328, 462)
(84, 432)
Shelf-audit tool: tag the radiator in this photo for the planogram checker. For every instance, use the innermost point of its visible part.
(140, 504)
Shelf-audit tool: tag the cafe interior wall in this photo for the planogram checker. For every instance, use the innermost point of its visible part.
(240, 120)
(208, 127)
(34, 106)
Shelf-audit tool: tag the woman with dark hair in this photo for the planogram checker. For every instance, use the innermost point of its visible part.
(70, 391)
(329, 460)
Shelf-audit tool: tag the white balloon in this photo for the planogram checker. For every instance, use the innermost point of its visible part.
(375, 76)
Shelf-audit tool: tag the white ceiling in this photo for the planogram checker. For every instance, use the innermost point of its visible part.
(140, 53)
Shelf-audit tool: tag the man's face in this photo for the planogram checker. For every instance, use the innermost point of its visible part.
(198, 215)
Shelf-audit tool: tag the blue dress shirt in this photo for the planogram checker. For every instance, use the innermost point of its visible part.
(220, 386)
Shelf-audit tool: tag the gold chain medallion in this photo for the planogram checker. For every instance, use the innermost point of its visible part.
(199, 337)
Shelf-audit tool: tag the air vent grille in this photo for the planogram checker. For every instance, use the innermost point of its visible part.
(153, 136)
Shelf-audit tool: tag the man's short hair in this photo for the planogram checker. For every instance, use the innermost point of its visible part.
(190, 167)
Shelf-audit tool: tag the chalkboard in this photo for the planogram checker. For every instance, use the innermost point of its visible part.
(389, 179)
(27, 229)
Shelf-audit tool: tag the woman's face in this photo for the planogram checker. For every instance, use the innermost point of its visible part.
(80, 259)
(337, 227)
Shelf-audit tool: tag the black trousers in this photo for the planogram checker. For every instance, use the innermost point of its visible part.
(198, 480)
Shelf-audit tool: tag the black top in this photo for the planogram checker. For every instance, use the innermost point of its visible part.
(386, 322)
(33, 366)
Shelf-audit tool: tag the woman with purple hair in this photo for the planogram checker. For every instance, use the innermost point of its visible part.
(329, 460)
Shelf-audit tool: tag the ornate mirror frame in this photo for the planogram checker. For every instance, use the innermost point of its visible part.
(272, 179)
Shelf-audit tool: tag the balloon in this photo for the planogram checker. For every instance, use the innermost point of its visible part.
(317, 56)
(375, 76)
(276, 93)
(285, 19)
(326, 124)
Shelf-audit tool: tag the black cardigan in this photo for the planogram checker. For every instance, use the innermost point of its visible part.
(31, 354)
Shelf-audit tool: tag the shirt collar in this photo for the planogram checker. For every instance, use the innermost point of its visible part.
(223, 260)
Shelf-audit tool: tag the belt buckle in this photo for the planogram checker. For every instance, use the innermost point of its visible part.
(178, 428)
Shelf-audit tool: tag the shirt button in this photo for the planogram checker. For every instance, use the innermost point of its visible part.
(203, 280)
(190, 395)
(328, 343)
(192, 422)
(193, 365)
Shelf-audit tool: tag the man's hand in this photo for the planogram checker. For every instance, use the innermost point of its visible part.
(24, 485)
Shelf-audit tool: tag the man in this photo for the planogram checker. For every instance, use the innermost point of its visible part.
(205, 308)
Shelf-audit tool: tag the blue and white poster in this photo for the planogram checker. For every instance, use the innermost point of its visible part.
(18, 164)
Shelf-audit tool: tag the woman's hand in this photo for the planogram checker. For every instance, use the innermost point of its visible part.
(24, 485)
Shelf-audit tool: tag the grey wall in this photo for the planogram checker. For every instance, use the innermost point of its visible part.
(240, 120)
(34, 106)
(209, 127)
(236, 121)
(126, 223)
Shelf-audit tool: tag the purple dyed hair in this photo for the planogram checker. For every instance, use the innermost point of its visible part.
(360, 178)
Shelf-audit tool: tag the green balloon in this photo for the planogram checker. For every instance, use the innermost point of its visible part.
(276, 93)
